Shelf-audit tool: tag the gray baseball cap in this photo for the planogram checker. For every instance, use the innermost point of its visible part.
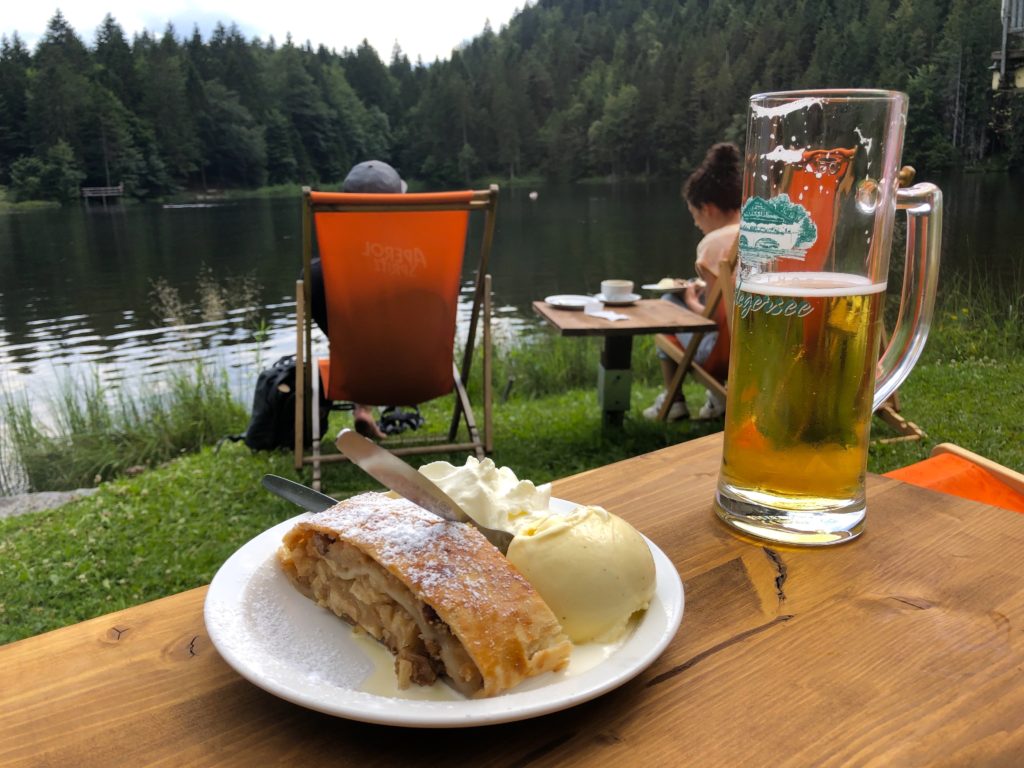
(373, 176)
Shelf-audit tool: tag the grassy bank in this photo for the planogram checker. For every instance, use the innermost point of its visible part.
(9, 206)
(170, 528)
(97, 433)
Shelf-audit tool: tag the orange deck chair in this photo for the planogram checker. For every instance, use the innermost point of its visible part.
(959, 472)
(392, 267)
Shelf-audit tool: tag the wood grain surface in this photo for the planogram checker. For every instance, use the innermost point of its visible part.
(645, 316)
(903, 648)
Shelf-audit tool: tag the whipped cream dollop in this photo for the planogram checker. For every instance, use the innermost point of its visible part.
(491, 495)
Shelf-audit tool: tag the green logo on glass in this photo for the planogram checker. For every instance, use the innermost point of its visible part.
(775, 229)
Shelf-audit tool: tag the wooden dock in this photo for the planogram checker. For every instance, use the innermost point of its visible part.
(103, 192)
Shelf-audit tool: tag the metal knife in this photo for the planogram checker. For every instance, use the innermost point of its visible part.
(386, 468)
(297, 493)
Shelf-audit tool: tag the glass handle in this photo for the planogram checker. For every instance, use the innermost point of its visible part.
(923, 204)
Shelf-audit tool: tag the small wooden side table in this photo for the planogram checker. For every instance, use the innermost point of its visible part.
(646, 316)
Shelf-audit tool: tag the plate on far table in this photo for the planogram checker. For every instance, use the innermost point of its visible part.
(620, 301)
(568, 301)
(287, 645)
(666, 284)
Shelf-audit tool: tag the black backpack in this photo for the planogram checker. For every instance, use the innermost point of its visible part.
(272, 423)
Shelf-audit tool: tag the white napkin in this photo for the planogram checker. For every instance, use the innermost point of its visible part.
(594, 308)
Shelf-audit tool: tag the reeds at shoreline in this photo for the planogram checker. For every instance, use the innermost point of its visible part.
(96, 433)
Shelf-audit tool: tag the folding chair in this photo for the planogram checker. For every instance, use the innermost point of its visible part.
(890, 412)
(714, 370)
(959, 472)
(906, 430)
(392, 267)
(832, 166)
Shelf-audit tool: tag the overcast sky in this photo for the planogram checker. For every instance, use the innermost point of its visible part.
(422, 28)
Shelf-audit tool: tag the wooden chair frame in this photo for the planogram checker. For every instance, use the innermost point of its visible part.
(889, 412)
(480, 441)
(683, 356)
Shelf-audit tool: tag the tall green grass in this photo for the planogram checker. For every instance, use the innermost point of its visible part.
(540, 363)
(89, 432)
(92, 433)
(98, 432)
(978, 317)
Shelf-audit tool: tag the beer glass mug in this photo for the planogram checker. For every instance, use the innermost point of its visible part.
(819, 200)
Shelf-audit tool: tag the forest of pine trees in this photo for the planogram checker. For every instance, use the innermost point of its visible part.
(569, 89)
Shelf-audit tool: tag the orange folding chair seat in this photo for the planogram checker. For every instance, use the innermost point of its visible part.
(392, 269)
(959, 472)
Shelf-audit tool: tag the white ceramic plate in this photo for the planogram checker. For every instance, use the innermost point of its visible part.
(664, 287)
(621, 301)
(568, 301)
(287, 645)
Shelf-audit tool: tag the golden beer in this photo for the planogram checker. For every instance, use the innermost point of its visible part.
(821, 189)
(801, 386)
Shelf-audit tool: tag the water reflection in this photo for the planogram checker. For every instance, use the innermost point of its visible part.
(60, 349)
(76, 284)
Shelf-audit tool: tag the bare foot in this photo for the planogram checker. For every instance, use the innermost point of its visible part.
(365, 424)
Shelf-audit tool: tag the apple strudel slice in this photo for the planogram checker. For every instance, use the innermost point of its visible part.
(436, 593)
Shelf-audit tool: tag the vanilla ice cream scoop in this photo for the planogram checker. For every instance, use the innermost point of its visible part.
(592, 568)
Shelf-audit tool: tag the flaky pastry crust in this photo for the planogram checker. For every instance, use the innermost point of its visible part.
(437, 593)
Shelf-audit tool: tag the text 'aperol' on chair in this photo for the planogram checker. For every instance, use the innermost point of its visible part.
(959, 472)
(392, 268)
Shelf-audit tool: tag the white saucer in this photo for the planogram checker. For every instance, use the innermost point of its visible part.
(621, 301)
(568, 301)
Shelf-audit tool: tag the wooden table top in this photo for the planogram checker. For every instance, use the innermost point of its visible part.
(645, 316)
(904, 647)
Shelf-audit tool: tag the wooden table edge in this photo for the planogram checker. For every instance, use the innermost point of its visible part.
(699, 323)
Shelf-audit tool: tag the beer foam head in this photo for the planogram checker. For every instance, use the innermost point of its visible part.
(808, 284)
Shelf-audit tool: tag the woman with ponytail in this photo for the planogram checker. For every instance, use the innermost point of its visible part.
(713, 194)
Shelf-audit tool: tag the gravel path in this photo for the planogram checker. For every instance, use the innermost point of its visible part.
(35, 502)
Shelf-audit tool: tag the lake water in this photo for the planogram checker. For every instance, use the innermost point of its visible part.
(77, 284)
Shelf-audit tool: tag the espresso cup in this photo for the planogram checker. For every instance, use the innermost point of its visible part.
(616, 289)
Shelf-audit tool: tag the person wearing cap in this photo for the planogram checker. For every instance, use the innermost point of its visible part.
(374, 177)
(369, 177)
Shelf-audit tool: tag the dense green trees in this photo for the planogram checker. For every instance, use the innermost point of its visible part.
(55, 176)
(570, 88)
